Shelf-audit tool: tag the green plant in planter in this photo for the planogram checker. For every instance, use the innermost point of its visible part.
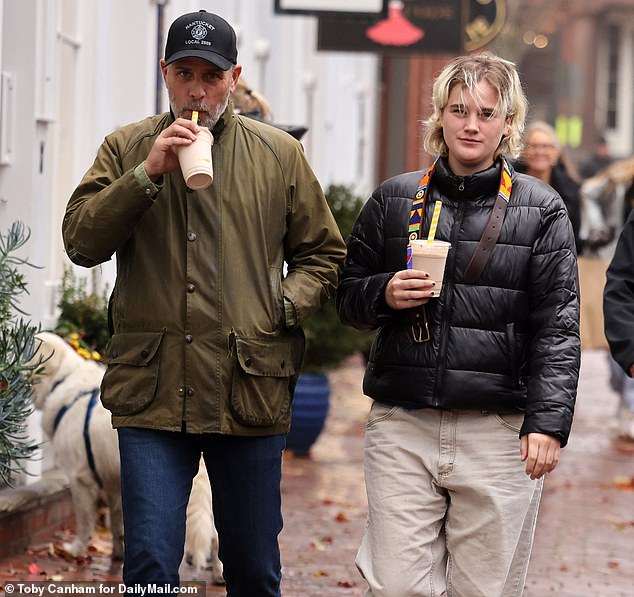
(17, 349)
(328, 344)
(328, 341)
(83, 318)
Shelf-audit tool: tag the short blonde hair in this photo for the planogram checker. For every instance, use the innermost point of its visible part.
(469, 71)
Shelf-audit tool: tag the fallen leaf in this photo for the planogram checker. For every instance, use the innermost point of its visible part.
(621, 525)
(318, 545)
(613, 564)
(342, 517)
(56, 577)
(320, 573)
(624, 483)
(347, 584)
(624, 445)
(33, 568)
(327, 502)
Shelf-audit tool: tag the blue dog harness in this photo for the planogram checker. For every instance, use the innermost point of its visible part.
(94, 394)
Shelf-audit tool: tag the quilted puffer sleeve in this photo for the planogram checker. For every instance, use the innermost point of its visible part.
(555, 350)
(360, 296)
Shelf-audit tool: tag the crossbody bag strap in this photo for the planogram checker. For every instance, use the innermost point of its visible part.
(491, 233)
(420, 325)
(487, 242)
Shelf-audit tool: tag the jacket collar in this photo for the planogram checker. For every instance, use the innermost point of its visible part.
(485, 182)
(225, 122)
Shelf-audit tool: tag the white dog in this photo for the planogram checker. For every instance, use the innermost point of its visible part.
(86, 449)
(201, 537)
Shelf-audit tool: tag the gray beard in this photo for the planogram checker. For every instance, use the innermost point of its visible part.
(214, 116)
(209, 119)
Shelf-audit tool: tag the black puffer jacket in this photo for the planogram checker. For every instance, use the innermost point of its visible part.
(509, 342)
(618, 298)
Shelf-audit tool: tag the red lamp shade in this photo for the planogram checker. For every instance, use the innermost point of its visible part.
(396, 30)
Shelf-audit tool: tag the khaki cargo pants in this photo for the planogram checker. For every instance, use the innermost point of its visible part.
(451, 511)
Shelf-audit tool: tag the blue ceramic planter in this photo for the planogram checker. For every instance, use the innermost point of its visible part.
(309, 412)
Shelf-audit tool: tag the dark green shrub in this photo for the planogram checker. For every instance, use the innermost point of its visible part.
(328, 341)
(83, 318)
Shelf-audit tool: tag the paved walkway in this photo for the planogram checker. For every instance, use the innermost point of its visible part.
(584, 544)
(585, 535)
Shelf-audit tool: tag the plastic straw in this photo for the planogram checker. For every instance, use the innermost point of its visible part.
(434, 221)
(195, 117)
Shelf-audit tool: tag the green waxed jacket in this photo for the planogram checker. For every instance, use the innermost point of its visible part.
(200, 338)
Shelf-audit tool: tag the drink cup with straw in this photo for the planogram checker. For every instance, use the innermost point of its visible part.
(430, 255)
(195, 158)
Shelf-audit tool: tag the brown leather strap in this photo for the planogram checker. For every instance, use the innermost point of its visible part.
(485, 247)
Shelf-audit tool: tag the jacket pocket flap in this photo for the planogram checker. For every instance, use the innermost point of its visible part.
(133, 348)
(270, 357)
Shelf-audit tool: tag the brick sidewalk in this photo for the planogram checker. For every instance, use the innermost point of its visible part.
(584, 540)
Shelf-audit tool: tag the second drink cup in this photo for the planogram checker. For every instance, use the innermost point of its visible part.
(195, 161)
(431, 257)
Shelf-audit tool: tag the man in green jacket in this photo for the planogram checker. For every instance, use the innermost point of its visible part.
(211, 288)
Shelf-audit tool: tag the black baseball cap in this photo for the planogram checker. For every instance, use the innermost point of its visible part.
(203, 35)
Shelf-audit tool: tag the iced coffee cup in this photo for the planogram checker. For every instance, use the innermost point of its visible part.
(431, 257)
(195, 160)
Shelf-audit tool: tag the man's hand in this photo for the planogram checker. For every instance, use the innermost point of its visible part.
(409, 288)
(163, 156)
(541, 453)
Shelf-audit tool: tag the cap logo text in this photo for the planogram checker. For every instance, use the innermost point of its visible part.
(199, 29)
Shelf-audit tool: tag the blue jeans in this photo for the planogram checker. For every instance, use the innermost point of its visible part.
(157, 468)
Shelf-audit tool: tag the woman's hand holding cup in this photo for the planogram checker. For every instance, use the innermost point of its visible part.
(409, 288)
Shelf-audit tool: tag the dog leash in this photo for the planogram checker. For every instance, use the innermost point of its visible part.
(91, 405)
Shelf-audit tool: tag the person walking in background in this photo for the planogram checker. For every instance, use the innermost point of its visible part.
(608, 202)
(597, 161)
(473, 392)
(543, 158)
(608, 199)
(206, 344)
(618, 312)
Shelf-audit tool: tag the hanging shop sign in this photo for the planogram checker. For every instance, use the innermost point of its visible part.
(354, 8)
(416, 26)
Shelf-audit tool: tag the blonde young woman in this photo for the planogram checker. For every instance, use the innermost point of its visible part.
(473, 392)
(543, 158)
